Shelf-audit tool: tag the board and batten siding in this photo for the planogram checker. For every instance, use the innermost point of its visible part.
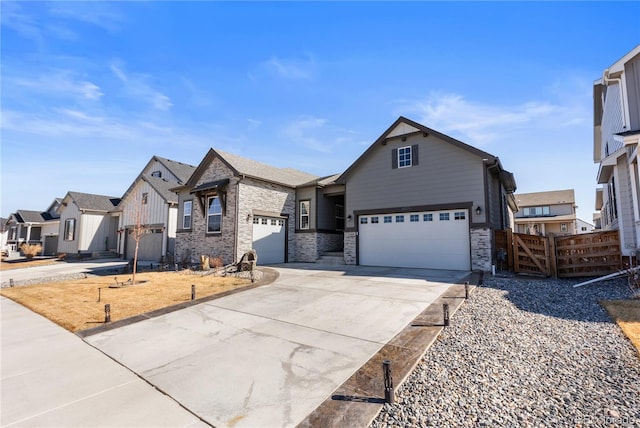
(158, 166)
(154, 212)
(612, 121)
(445, 174)
(625, 204)
(93, 231)
(632, 76)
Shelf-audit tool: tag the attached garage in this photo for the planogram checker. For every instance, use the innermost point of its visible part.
(149, 247)
(269, 236)
(429, 239)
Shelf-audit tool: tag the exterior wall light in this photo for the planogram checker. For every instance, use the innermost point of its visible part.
(478, 210)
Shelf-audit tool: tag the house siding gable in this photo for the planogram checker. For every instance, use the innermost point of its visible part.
(70, 211)
(159, 166)
(445, 175)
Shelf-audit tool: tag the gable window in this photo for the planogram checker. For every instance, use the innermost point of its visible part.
(304, 214)
(404, 157)
(156, 174)
(214, 215)
(563, 227)
(145, 198)
(70, 229)
(186, 214)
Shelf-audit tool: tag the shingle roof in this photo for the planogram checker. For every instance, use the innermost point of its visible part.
(181, 170)
(163, 187)
(87, 201)
(287, 176)
(553, 197)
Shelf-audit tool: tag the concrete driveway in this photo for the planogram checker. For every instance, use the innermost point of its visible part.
(269, 356)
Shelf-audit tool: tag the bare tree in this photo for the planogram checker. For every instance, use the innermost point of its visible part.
(140, 229)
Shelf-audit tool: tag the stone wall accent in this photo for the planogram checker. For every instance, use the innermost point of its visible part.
(190, 245)
(306, 247)
(266, 197)
(328, 242)
(481, 249)
(350, 239)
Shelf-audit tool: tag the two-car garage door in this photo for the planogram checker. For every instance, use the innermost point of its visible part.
(429, 239)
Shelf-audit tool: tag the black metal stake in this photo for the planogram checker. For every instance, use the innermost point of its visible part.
(445, 312)
(11, 284)
(99, 293)
(388, 382)
(193, 292)
(466, 290)
(107, 313)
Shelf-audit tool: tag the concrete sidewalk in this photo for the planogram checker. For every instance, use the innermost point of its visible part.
(59, 268)
(50, 377)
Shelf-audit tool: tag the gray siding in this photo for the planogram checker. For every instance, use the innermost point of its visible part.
(70, 211)
(624, 198)
(445, 175)
(632, 76)
(307, 194)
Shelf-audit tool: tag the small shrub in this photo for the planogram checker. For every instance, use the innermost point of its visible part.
(30, 250)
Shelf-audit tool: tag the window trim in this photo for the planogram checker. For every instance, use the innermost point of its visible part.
(184, 215)
(410, 160)
(70, 230)
(209, 198)
(303, 216)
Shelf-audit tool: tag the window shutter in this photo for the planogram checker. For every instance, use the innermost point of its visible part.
(414, 155)
(394, 158)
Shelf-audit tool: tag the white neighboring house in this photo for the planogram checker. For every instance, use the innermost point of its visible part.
(584, 227)
(4, 233)
(34, 227)
(150, 201)
(616, 97)
(86, 223)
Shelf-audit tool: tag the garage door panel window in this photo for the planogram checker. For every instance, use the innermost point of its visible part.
(399, 219)
(387, 219)
(304, 214)
(444, 216)
(375, 220)
(427, 217)
(364, 220)
(459, 215)
(214, 215)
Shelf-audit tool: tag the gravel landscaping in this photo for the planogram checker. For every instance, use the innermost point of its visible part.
(525, 352)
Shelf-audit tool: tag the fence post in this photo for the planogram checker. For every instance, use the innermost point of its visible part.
(193, 292)
(553, 256)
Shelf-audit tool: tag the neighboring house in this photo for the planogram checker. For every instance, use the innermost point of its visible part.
(232, 204)
(421, 199)
(86, 223)
(4, 233)
(150, 202)
(616, 109)
(34, 227)
(584, 227)
(415, 198)
(543, 213)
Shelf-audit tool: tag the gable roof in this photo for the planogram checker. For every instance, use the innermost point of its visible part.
(182, 171)
(91, 202)
(253, 169)
(404, 126)
(553, 197)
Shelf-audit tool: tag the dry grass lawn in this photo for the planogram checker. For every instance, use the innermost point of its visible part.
(74, 304)
(626, 313)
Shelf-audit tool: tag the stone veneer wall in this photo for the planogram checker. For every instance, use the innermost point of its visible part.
(350, 248)
(267, 198)
(481, 249)
(253, 195)
(311, 245)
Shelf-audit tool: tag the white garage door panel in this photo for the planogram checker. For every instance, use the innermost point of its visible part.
(268, 239)
(436, 244)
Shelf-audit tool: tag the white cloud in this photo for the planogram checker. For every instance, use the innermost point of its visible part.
(290, 68)
(97, 13)
(298, 132)
(58, 82)
(136, 85)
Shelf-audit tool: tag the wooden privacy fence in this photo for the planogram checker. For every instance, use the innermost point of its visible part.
(589, 254)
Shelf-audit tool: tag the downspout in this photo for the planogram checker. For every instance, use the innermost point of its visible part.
(237, 221)
(606, 79)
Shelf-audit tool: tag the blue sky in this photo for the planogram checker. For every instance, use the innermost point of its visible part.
(92, 90)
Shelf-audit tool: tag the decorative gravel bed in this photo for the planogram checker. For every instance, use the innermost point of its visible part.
(525, 352)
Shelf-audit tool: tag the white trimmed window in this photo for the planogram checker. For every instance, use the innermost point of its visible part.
(186, 214)
(145, 198)
(70, 229)
(214, 215)
(404, 157)
(563, 227)
(304, 214)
